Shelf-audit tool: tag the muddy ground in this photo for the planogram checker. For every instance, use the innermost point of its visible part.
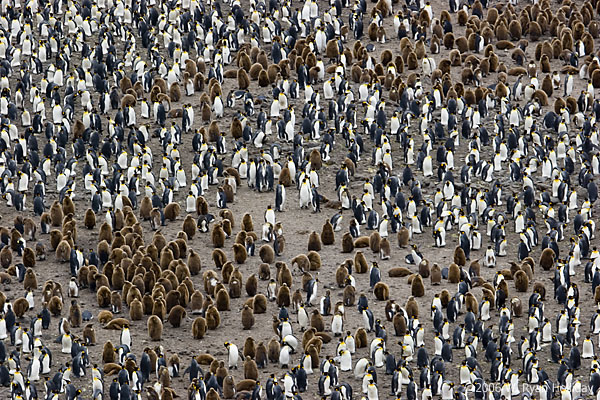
(297, 224)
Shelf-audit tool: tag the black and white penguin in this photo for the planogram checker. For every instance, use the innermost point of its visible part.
(279, 197)
(311, 291)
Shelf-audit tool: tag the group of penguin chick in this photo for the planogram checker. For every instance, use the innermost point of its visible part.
(91, 91)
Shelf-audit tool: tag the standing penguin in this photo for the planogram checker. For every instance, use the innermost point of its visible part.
(279, 197)
(311, 291)
(233, 354)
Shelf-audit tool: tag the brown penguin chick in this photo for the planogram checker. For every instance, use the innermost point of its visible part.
(327, 235)
(259, 304)
(145, 208)
(436, 275)
(255, 70)
(471, 303)
(285, 178)
(315, 261)
(514, 267)
(540, 289)
(264, 272)
(55, 237)
(235, 129)
(547, 259)
(412, 307)
(108, 352)
(302, 262)
(155, 328)
(118, 278)
(541, 97)
(175, 92)
(172, 211)
(30, 280)
(529, 261)
(399, 272)
(20, 307)
(261, 355)
(28, 257)
(40, 252)
(250, 369)
(399, 323)
(218, 235)
(417, 288)
(297, 299)
(247, 317)
(384, 249)
(235, 288)
(104, 316)
(314, 242)
(525, 267)
(263, 78)
(360, 338)
(515, 30)
(63, 251)
(247, 224)
(361, 242)
(239, 253)
(503, 285)
(284, 298)
(375, 242)
(176, 315)
(89, 219)
(316, 321)
(229, 193)
(444, 297)
(266, 254)
(199, 328)
(249, 349)
(214, 132)
(516, 307)
(196, 302)
(55, 306)
(89, 335)
(68, 206)
(381, 291)
(424, 269)
(341, 274)
(103, 296)
(273, 350)
(403, 237)
(521, 281)
(453, 273)
(105, 233)
(189, 226)
(228, 387)
(349, 295)
(159, 307)
(222, 300)
(459, 256)
(5, 257)
(360, 263)
(56, 214)
(136, 310)
(347, 243)
(475, 268)
(251, 285)
(412, 61)
(315, 159)
(75, 314)
(535, 32)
